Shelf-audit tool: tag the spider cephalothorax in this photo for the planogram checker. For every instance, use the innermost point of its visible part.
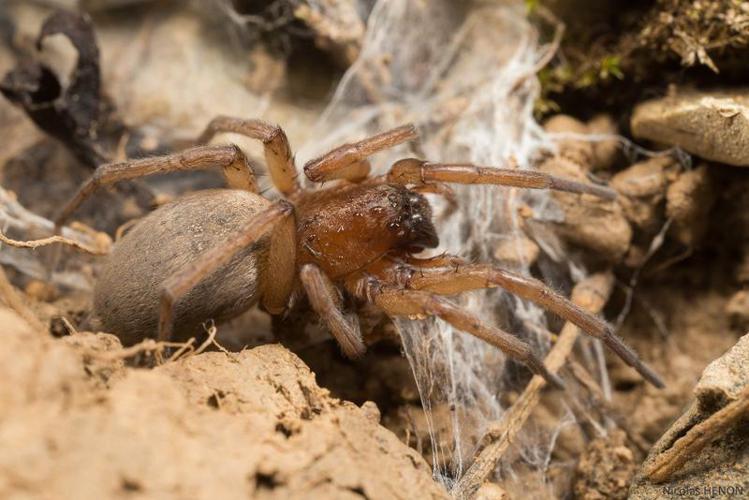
(344, 228)
(213, 254)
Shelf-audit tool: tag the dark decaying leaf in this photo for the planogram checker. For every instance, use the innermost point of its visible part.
(77, 115)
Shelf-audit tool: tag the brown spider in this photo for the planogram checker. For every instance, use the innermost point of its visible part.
(215, 253)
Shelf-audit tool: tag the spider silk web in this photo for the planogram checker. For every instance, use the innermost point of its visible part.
(464, 73)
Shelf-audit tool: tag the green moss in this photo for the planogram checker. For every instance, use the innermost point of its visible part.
(531, 6)
(641, 43)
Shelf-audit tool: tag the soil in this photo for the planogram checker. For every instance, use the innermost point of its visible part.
(250, 424)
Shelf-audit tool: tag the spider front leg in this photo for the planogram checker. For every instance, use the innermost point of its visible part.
(456, 276)
(415, 172)
(278, 154)
(350, 160)
(236, 169)
(276, 219)
(326, 301)
(401, 302)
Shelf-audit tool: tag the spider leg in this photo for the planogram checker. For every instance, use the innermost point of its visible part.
(326, 302)
(457, 276)
(278, 154)
(177, 285)
(278, 274)
(349, 160)
(236, 170)
(411, 171)
(401, 302)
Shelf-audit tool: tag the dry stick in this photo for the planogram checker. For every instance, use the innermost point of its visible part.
(210, 340)
(663, 467)
(69, 326)
(50, 241)
(590, 294)
(186, 347)
(13, 300)
(147, 345)
(212, 332)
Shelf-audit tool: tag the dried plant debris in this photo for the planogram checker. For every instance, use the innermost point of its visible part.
(693, 30)
(74, 113)
(706, 450)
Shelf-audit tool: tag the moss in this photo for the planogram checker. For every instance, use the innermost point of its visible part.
(608, 48)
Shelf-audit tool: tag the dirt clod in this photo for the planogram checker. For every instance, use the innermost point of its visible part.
(605, 468)
(644, 187)
(589, 222)
(160, 432)
(688, 202)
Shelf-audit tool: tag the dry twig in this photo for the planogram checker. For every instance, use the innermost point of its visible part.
(146, 346)
(183, 349)
(52, 240)
(689, 446)
(590, 294)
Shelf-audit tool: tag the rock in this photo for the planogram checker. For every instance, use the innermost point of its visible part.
(721, 468)
(246, 425)
(724, 378)
(712, 125)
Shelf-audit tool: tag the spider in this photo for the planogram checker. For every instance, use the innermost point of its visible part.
(213, 254)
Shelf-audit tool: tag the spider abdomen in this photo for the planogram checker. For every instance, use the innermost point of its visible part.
(127, 292)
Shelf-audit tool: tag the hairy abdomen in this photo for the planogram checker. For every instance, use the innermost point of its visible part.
(128, 289)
